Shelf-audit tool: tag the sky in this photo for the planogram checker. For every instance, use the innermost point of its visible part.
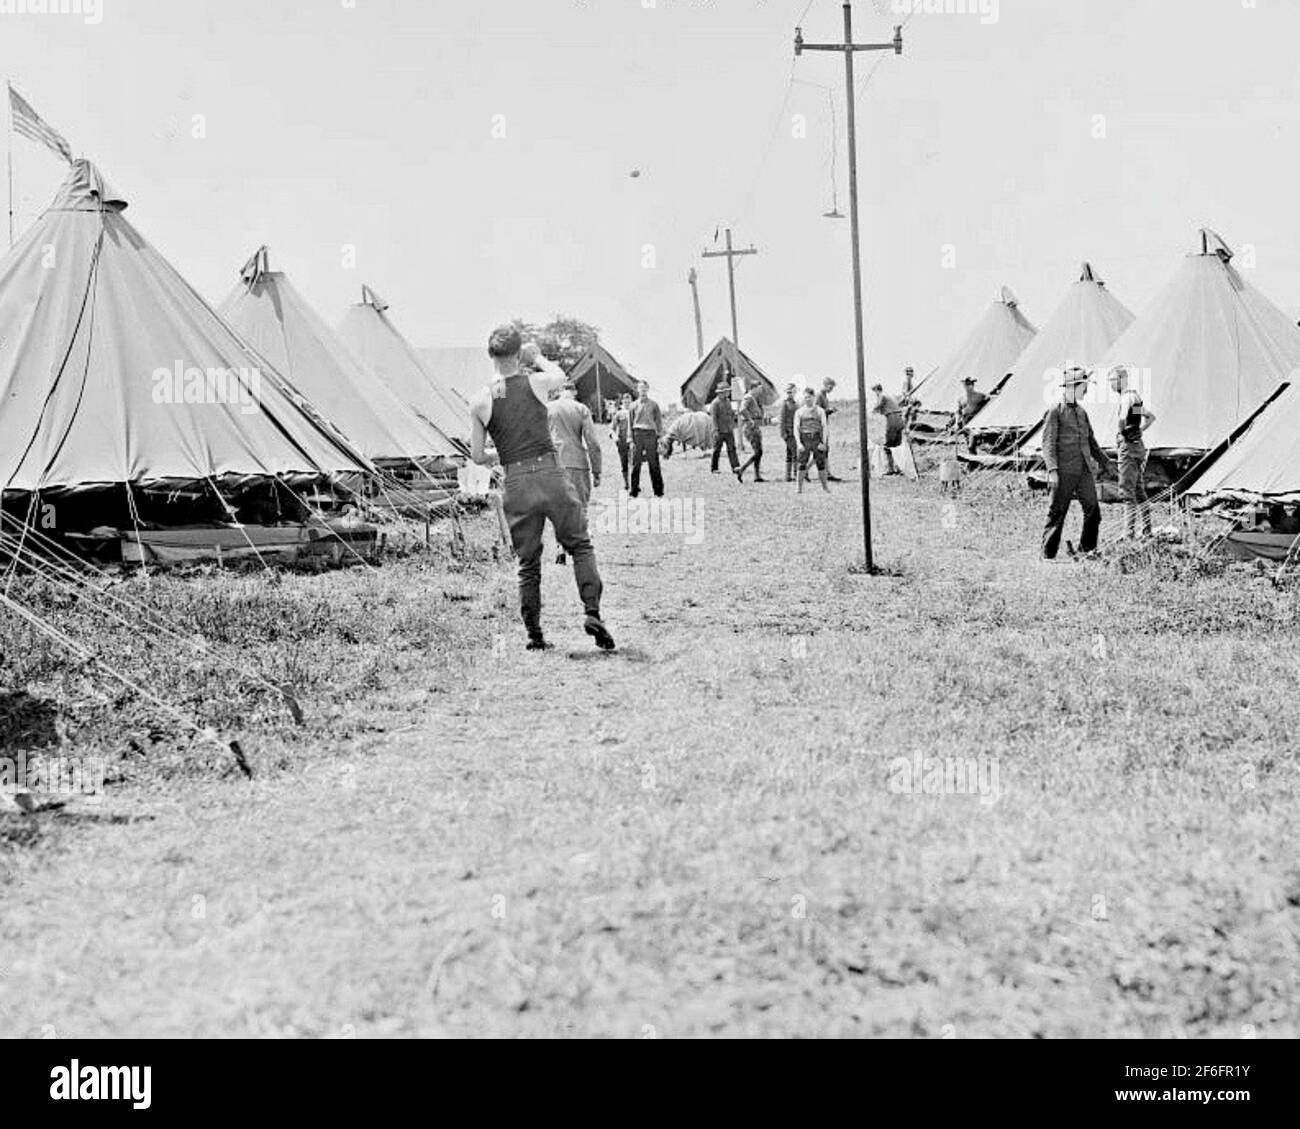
(472, 161)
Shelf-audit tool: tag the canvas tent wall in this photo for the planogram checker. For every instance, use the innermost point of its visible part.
(115, 373)
(1264, 463)
(373, 339)
(1081, 329)
(598, 377)
(462, 369)
(1206, 353)
(270, 315)
(698, 387)
(987, 353)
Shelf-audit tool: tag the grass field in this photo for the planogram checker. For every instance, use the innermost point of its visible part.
(976, 796)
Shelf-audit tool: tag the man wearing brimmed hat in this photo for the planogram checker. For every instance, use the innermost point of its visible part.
(1068, 442)
(512, 410)
(724, 425)
(789, 406)
(1134, 417)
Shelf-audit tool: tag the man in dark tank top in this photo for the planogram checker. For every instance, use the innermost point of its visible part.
(512, 410)
(1133, 418)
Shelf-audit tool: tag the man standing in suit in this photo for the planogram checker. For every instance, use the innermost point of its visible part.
(1068, 441)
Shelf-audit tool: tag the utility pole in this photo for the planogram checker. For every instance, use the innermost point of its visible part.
(731, 257)
(693, 278)
(849, 48)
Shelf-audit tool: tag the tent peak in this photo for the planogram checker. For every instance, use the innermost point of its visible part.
(1087, 274)
(1212, 244)
(87, 189)
(370, 298)
(258, 265)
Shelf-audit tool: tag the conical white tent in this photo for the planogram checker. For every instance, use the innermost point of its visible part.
(272, 317)
(1206, 353)
(1081, 329)
(114, 370)
(376, 343)
(1264, 463)
(987, 353)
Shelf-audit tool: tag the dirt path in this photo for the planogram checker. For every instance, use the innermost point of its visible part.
(349, 901)
(692, 835)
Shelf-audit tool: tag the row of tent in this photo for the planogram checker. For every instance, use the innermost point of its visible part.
(114, 372)
(1214, 358)
(93, 320)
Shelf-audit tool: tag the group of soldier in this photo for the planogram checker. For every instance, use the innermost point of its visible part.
(804, 429)
(550, 455)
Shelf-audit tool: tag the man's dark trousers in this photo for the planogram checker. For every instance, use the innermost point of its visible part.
(536, 490)
(645, 448)
(727, 438)
(791, 456)
(1071, 484)
(754, 436)
(624, 457)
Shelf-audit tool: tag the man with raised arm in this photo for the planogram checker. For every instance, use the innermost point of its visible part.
(512, 410)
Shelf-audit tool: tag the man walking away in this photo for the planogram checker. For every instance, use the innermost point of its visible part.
(824, 403)
(573, 432)
(512, 410)
(789, 406)
(647, 426)
(890, 408)
(724, 427)
(810, 427)
(1134, 418)
(620, 431)
(751, 415)
(1067, 442)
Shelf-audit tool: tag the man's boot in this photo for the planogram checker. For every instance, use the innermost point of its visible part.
(757, 460)
(823, 476)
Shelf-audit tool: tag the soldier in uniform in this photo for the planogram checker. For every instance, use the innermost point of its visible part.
(890, 408)
(724, 426)
(751, 418)
(788, 408)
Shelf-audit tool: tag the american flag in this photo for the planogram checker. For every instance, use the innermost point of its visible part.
(29, 124)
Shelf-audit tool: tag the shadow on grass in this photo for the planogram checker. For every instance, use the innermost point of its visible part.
(26, 722)
(629, 654)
